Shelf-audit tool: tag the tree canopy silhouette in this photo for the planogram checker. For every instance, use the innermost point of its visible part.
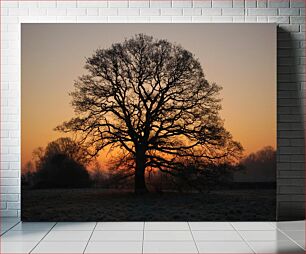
(69, 148)
(149, 98)
(259, 166)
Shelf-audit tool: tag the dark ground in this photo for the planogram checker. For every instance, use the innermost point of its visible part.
(102, 205)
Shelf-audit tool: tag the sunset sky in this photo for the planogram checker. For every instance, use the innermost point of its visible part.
(239, 57)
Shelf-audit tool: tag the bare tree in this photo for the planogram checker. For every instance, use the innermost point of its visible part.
(149, 98)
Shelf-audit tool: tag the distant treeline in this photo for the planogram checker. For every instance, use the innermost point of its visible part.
(62, 164)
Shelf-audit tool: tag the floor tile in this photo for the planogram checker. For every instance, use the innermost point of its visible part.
(291, 225)
(69, 236)
(60, 247)
(273, 223)
(216, 236)
(223, 247)
(120, 226)
(167, 236)
(301, 243)
(160, 237)
(273, 235)
(253, 225)
(297, 236)
(114, 247)
(99, 236)
(5, 226)
(276, 247)
(166, 226)
(3, 230)
(17, 247)
(63, 226)
(33, 226)
(23, 236)
(169, 247)
(211, 226)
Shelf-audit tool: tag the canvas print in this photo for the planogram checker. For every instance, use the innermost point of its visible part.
(155, 122)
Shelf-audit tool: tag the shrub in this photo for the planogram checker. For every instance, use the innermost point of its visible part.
(61, 171)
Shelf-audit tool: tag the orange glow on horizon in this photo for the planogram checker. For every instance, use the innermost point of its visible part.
(239, 57)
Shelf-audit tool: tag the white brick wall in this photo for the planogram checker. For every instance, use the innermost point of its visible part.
(291, 53)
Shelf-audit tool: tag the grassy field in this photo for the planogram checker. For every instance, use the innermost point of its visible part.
(101, 205)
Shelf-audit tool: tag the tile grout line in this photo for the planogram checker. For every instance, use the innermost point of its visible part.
(193, 237)
(90, 237)
(273, 225)
(245, 241)
(143, 232)
(10, 228)
(290, 238)
(42, 238)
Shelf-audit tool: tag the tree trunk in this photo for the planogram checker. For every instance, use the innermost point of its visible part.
(140, 184)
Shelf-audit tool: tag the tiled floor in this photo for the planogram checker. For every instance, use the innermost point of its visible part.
(152, 237)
